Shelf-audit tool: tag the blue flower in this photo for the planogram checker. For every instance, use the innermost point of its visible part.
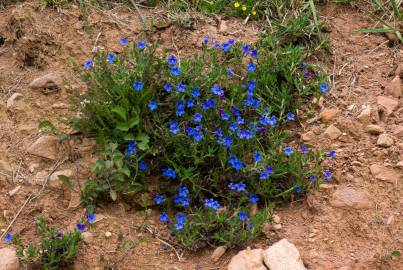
(197, 117)
(152, 105)
(81, 227)
(328, 175)
(288, 151)
(131, 148)
(257, 157)
(180, 108)
(236, 111)
(141, 45)
(175, 71)
(205, 40)
(324, 87)
(143, 166)
(216, 44)
(239, 187)
(190, 103)
(228, 141)
(168, 87)
(225, 116)
(159, 199)
(246, 49)
(251, 67)
(304, 150)
(253, 198)
(208, 104)
(8, 238)
(217, 90)
(313, 178)
(169, 172)
(111, 57)
(180, 221)
(231, 41)
(91, 218)
(290, 116)
(303, 64)
(240, 120)
(243, 216)
(245, 134)
(138, 86)
(211, 203)
(219, 132)
(195, 133)
(251, 87)
(298, 189)
(123, 41)
(195, 92)
(254, 53)
(235, 163)
(271, 121)
(181, 87)
(164, 217)
(172, 61)
(332, 154)
(266, 173)
(230, 72)
(88, 64)
(174, 127)
(226, 47)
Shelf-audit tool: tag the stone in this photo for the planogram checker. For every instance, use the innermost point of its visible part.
(383, 173)
(14, 191)
(283, 255)
(276, 218)
(88, 237)
(15, 101)
(328, 114)
(276, 227)
(365, 116)
(248, 259)
(350, 198)
(394, 87)
(45, 146)
(375, 129)
(218, 252)
(332, 132)
(60, 105)
(9, 259)
(54, 180)
(108, 234)
(398, 132)
(388, 103)
(50, 80)
(308, 136)
(400, 164)
(385, 140)
(223, 28)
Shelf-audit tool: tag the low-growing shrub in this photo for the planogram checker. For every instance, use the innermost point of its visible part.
(55, 251)
(208, 127)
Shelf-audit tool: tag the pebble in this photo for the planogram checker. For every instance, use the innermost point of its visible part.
(276, 227)
(15, 101)
(398, 131)
(351, 198)
(375, 129)
(394, 87)
(390, 220)
(328, 114)
(44, 147)
(276, 218)
(390, 104)
(365, 116)
(383, 173)
(50, 80)
(332, 132)
(308, 136)
(218, 252)
(14, 191)
(283, 255)
(108, 234)
(385, 140)
(248, 259)
(9, 259)
(88, 237)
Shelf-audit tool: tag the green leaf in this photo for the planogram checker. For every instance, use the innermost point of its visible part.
(113, 195)
(66, 180)
(134, 121)
(47, 125)
(125, 171)
(143, 140)
(396, 9)
(128, 137)
(119, 110)
(395, 253)
(122, 126)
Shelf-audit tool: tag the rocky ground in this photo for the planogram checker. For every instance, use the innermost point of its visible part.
(350, 223)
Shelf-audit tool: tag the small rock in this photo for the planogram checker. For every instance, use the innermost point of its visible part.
(108, 234)
(9, 259)
(88, 237)
(400, 164)
(375, 129)
(60, 105)
(14, 191)
(350, 198)
(54, 180)
(325, 187)
(383, 173)
(390, 220)
(276, 218)
(390, 104)
(394, 87)
(51, 80)
(283, 255)
(15, 101)
(398, 132)
(365, 116)
(328, 114)
(392, 37)
(223, 26)
(332, 132)
(308, 136)
(44, 147)
(385, 140)
(218, 252)
(276, 227)
(248, 259)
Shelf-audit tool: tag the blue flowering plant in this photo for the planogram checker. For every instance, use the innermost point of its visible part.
(56, 249)
(209, 127)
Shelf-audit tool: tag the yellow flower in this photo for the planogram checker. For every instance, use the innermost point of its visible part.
(254, 12)
(243, 8)
(236, 4)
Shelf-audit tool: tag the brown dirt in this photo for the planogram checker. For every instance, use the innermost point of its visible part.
(35, 41)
